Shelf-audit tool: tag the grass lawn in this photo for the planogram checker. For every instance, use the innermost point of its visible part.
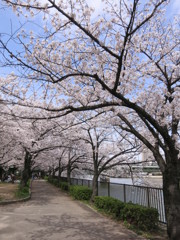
(7, 191)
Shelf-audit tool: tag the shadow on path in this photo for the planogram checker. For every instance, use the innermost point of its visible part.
(52, 215)
(43, 192)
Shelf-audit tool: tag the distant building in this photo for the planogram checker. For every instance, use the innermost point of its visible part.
(149, 165)
(147, 157)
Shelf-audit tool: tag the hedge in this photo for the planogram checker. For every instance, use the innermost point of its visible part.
(110, 205)
(22, 192)
(142, 217)
(64, 186)
(46, 178)
(80, 192)
(53, 181)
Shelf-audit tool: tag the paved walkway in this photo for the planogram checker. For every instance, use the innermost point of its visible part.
(53, 215)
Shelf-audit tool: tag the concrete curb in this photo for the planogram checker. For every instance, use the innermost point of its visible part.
(18, 200)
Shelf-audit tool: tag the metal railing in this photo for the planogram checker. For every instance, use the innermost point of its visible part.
(145, 196)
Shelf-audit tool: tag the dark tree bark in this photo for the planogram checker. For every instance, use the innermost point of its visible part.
(59, 173)
(171, 190)
(95, 186)
(60, 167)
(26, 174)
(69, 174)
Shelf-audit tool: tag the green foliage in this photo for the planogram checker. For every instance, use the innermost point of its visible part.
(53, 181)
(110, 205)
(64, 186)
(142, 217)
(46, 178)
(29, 183)
(50, 179)
(80, 192)
(22, 192)
(56, 182)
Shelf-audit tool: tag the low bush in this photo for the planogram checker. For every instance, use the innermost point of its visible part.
(80, 192)
(22, 192)
(50, 179)
(64, 186)
(110, 205)
(54, 181)
(46, 178)
(142, 217)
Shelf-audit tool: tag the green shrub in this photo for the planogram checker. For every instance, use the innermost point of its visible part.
(22, 192)
(29, 183)
(142, 217)
(80, 192)
(46, 178)
(50, 179)
(54, 181)
(64, 186)
(110, 205)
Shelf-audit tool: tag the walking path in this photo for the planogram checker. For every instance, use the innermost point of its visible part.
(52, 215)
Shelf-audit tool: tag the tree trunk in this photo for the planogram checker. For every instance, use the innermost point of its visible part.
(26, 174)
(1, 173)
(95, 186)
(53, 173)
(171, 190)
(69, 175)
(59, 175)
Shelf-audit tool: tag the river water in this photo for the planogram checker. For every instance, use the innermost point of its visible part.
(149, 181)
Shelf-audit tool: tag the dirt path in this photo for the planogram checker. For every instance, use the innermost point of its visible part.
(53, 215)
(7, 191)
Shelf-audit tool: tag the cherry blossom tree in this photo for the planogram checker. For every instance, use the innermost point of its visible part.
(105, 150)
(10, 149)
(52, 161)
(24, 140)
(124, 61)
(56, 148)
(75, 157)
